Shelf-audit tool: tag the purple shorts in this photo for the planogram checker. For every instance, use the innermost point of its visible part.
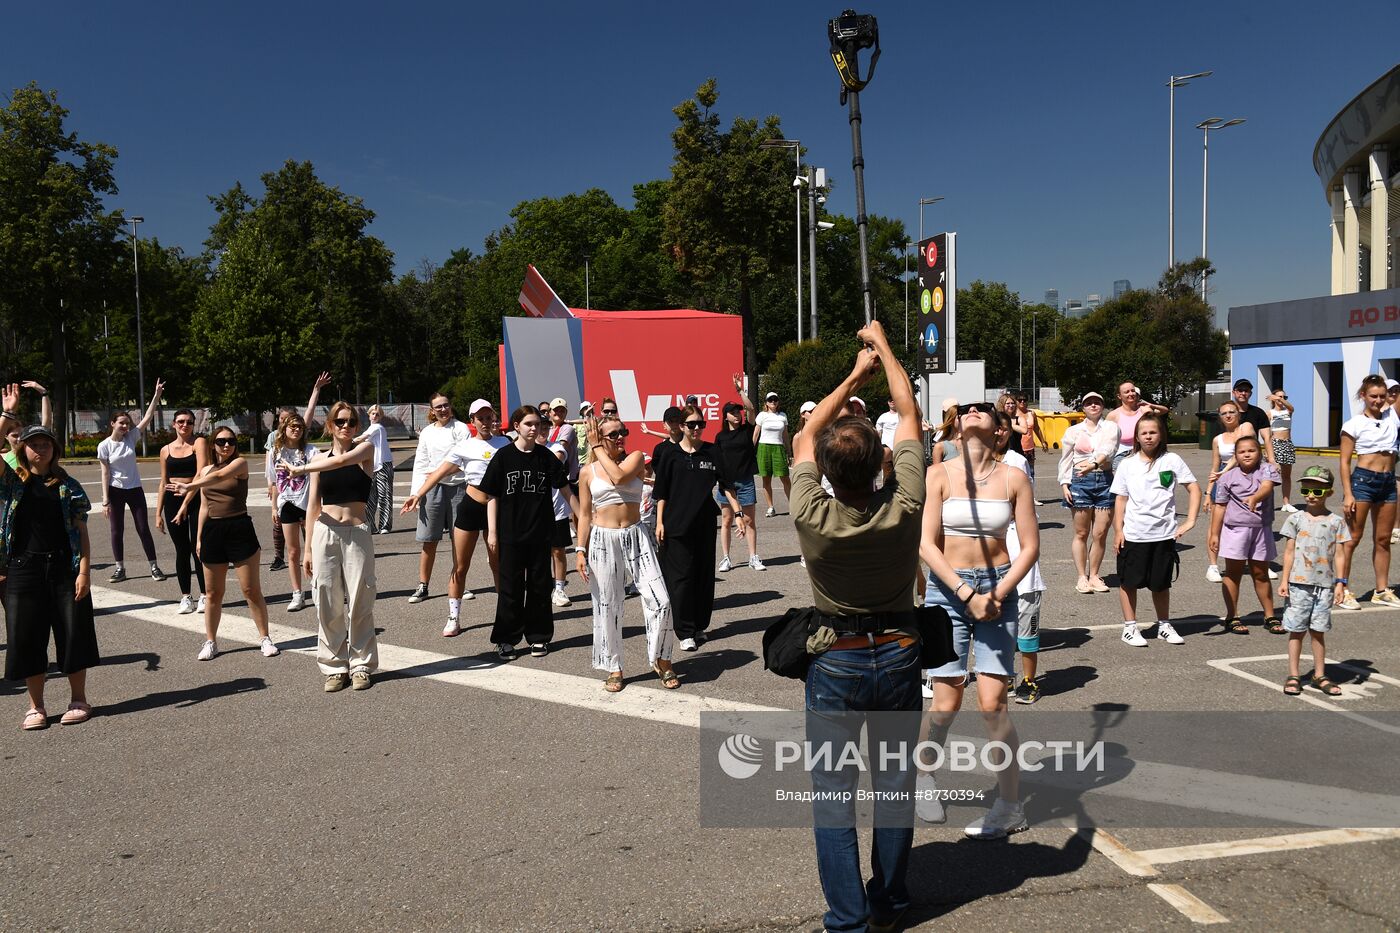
(1242, 542)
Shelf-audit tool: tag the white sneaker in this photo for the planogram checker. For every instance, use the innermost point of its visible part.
(298, 602)
(208, 650)
(1288, 507)
(725, 566)
(468, 594)
(1131, 636)
(926, 685)
(1213, 573)
(186, 604)
(1273, 574)
(927, 805)
(1348, 601)
(1168, 634)
(756, 564)
(560, 598)
(200, 606)
(1001, 820)
(802, 562)
(689, 644)
(268, 649)
(770, 513)
(452, 629)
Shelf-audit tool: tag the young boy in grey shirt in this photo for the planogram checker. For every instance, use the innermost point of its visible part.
(1312, 578)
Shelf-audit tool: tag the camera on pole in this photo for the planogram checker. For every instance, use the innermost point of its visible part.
(849, 34)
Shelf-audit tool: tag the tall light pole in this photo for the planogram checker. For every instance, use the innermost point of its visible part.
(907, 244)
(1174, 82)
(1205, 126)
(140, 349)
(587, 285)
(922, 202)
(796, 146)
(818, 181)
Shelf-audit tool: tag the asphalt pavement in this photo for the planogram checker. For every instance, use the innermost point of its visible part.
(462, 794)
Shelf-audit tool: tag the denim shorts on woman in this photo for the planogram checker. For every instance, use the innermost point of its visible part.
(1372, 486)
(1090, 491)
(994, 642)
(744, 491)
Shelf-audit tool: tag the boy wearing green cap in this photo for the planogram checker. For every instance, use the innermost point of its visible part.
(1312, 578)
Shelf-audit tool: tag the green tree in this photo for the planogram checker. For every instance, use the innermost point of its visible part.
(727, 219)
(811, 369)
(1163, 340)
(56, 240)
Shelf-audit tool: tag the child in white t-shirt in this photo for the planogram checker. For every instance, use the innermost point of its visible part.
(1144, 525)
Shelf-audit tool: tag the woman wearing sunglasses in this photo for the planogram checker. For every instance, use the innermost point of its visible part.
(685, 525)
(612, 542)
(735, 441)
(470, 458)
(340, 556)
(225, 536)
(182, 459)
(288, 494)
(971, 501)
(437, 509)
(1086, 453)
(121, 486)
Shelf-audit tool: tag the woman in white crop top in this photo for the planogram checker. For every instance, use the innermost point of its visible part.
(611, 540)
(1368, 486)
(1281, 438)
(968, 505)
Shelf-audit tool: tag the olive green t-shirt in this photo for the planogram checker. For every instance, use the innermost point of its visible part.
(862, 560)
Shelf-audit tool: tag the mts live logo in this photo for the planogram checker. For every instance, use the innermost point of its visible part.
(632, 407)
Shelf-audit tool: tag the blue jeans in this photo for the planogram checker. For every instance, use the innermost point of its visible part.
(841, 685)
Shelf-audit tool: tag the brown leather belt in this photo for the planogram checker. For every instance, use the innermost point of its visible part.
(848, 642)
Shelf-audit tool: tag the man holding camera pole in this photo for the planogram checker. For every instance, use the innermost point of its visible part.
(861, 549)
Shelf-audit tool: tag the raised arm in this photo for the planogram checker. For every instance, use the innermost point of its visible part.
(901, 392)
(322, 381)
(804, 445)
(631, 466)
(151, 408)
(234, 468)
(743, 396)
(45, 403)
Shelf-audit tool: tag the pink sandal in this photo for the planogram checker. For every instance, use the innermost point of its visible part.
(77, 712)
(36, 718)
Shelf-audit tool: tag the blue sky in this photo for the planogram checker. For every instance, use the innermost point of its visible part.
(1043, 125)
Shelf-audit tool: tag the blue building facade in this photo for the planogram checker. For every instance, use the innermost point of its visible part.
(1317, 350)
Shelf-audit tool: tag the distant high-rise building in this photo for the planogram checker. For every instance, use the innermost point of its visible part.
(1120, 286)
(1093, 301)
(1074, 308)
(1052, 298)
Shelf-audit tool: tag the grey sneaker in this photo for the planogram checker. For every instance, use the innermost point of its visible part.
(927, 805)
(337, 682)
(419, 594)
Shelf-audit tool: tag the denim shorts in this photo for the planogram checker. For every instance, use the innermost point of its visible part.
(994, 642)
(1372, 486)
(1309, 607)
(1090, 491)
(743, 491)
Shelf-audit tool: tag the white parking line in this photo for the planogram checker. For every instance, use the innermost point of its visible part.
(1288, 842)
(1349, 691)
(1190, 906)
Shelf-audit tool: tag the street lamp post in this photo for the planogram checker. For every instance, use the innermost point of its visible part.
(907, 244)
(922, 202)
(1205, 126)
(796, 147)
(140, 348)
(1174, 82)
(818, 180)
(587, 285)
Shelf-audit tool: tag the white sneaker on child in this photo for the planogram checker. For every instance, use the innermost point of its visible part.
(1132, 637)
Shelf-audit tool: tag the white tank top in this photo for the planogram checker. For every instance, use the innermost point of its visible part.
(604, 493)
(1226, 448)
(965, 517)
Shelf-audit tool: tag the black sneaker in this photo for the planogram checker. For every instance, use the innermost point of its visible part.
(505, 652)
(1027, 692)
(157, 574)
(278, 563)
(420, 594)
(539, 650)
(117, 576)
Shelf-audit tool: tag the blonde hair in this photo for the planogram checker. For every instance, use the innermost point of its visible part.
(281, 439)
(329, 430)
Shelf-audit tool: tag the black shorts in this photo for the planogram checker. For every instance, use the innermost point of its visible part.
(290, 514)
(559, 535)
(227, 541)
(471, 515)
(1149, 565)
(39, 604)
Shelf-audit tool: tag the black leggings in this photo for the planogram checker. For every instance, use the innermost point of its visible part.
(522, 596)
(182, 536)
(120, 500)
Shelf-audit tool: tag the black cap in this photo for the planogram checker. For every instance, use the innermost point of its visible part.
(37, 430)
(672, 414)
(732, 406)
(1243, 384)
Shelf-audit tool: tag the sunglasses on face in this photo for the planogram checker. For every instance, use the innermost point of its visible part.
(609, 411)
(695, 425)
(224, 442)
(1319, 491)
(986, 408)
(344, 422)
(183, 421)
(616, 435)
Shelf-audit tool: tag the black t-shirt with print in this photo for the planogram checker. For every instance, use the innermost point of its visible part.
(524, 484)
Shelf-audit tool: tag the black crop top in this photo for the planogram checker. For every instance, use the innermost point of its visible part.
(180, 467)
(345, 485)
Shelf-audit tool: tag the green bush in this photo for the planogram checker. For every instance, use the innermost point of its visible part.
(481, 380)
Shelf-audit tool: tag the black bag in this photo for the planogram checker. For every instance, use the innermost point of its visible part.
(785, 644)
(936, 637)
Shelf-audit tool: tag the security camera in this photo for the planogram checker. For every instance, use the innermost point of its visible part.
(821, 199)
(799, 181)
(825, 225)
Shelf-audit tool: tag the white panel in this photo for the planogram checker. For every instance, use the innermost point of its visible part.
(1356, 365)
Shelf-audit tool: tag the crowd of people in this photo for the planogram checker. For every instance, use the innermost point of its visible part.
(884, 525)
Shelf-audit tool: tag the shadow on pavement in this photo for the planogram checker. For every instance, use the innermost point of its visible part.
(707, 666)
(968, 870)
(1059, 639)
(1065, 679)
(184, 698)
